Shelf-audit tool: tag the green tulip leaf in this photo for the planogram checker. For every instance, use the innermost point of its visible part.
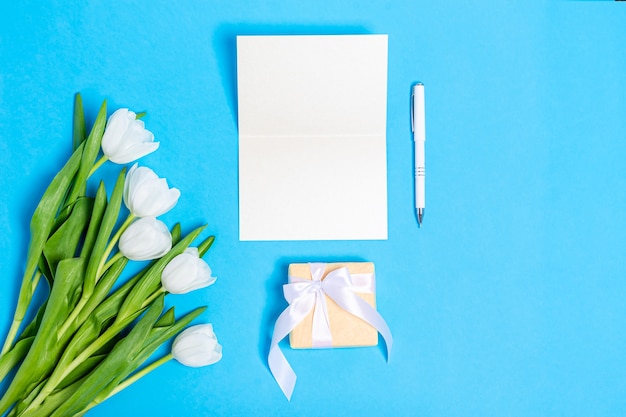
(114, 367)
(83, 369)
(79, 130)
(44, 219)
(166, 319)
(176, 234)
(9, 360)
(160, 335)
(109, 219)
(63, 243)
(46, 349)
(102, 289)
(91, 147)
(33, 326)
(99, 205)
(157, 337)
(205, 245)
(90, 325)
(25, 402)
(52, 401)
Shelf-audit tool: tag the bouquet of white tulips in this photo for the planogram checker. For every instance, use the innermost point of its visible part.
(90, 339)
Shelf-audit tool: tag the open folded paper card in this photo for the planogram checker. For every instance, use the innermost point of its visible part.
(312, 132)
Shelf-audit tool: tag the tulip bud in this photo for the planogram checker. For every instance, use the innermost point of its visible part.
(145, 239)
(186, 272)
(126, 139)
(147, 195)
(197, 346)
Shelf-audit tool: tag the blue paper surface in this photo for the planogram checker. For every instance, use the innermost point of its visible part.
(511, 299)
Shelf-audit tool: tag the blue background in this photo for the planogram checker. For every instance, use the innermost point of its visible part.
(511, 300)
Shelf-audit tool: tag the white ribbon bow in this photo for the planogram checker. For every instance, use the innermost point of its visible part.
(304, 295)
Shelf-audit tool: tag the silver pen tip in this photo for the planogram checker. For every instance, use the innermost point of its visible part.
(420, 216)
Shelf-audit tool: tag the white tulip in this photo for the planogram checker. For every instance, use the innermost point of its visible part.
(145, 239)
(197, 346)
(147, 195)
(186, 272)
(126, 139)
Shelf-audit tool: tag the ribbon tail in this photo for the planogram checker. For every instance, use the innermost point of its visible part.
(355, 305)
(281, 370)
(279, 366)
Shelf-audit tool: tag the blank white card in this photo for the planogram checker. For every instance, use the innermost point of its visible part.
(312, 133)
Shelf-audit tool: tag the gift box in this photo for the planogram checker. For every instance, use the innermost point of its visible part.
(346, 329)
(330, 305)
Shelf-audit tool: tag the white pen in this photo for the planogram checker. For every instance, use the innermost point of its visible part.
(418, 125)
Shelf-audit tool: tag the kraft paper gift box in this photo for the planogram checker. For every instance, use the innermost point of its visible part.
(347, 330)
(330, 305)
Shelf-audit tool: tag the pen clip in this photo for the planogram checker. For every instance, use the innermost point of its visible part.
(412, 112)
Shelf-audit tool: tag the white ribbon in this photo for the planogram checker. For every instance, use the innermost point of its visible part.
(303, 295)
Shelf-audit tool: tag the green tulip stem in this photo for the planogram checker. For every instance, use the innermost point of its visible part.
(73, 315)
(138, 375)
(59, 375)
(111, 261)
(36, 279)
(153, 297)
(98, 164)
(103, 261)
(8, 343)
(102, 267)
(131, 380)
(27, 290)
